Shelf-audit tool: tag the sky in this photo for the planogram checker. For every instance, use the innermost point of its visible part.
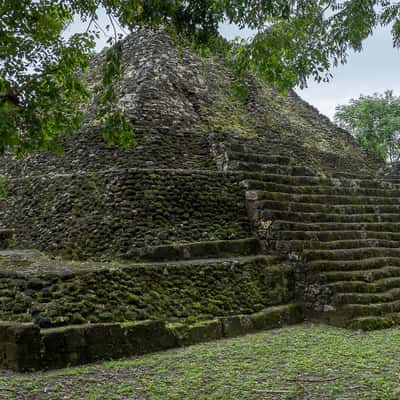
(375, 69)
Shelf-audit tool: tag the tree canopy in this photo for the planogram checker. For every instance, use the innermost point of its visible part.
(375, 122)
(41, 84)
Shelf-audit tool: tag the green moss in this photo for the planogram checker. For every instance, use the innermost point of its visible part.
(228, 113)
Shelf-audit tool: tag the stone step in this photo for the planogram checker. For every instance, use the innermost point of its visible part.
(394, 180)
(251, 148)
(374, 322)
(266, 169)
(366, 275)
(315, 237)
(347, 175)
(350, 254)
(365, 264)
(259, 195)
(345, 209)
(325, 217)
(316, 189)
(283, 225)
(373, 309)
(260, 158)
(259, 167)
(317, 180)
(367, 298)
(301, 245)
(199, 250)
(6, 233)
(5, 236)
(380, 285)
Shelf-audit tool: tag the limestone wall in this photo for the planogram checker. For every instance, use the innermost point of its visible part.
(112, 214)
(88, 152)
(66, 294)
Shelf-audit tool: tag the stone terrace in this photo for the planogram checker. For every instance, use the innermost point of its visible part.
(233, 213)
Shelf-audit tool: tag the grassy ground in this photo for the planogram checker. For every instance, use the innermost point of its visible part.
(298, 362)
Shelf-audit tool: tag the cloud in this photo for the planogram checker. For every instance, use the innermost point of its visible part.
(374, 69)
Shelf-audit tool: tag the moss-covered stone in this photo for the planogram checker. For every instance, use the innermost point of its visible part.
(20, 346)
(203, 331)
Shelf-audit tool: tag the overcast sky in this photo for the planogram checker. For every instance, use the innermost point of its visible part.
(375, 69)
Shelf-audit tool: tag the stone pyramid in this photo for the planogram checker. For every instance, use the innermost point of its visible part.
(239, 209)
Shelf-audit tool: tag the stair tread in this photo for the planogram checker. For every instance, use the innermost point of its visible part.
(324, 207)
(367, 275)
(325, 255)
(320, 217)
(373, 306)
(350, 265)
(325, 198)
(340, 226)
(315, 188)
(317, 180)
(236, 155)
(343, 209)
(372, 322)
(332, 236)
(368, 298)
(341, 244)
(364, 287)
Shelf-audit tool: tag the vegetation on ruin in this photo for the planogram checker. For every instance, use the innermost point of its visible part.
(313, 362)
(375, 122)
(41, 79)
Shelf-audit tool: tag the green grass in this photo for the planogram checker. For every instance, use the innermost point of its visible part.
(298, 362)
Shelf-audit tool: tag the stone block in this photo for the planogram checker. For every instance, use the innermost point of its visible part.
(63, 346)
(105, 341)
(201, 332)
(19, 346)
(146, 336)
(237, 325)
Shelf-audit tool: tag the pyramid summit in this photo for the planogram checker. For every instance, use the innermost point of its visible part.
(239, 209)
(182, 102)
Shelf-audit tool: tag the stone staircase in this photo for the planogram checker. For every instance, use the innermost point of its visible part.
(342, 231)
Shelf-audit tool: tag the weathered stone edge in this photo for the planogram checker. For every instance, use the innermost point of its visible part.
(24, 347)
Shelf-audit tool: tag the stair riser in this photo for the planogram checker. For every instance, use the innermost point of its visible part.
(288, 187)
(358, 310)
(327, 227)
(350, 254)
(234, 165)
(373, 323)
(327, 209)
(363, 287)
(368, 276)
(321, 217)
(300, 245)
(273, 169)
(306, 177)
(258, 158)
(354, 265)
(324, 238)
(259, 195)
(357, 298)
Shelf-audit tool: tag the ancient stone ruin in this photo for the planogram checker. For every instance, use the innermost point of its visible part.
(239, 209)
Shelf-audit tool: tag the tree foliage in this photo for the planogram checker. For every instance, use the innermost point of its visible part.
(375, 122)
(41, 87)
